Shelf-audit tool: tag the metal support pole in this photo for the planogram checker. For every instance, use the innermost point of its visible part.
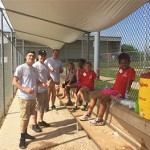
(88, 46)
(23, 52)
(82, 43)
(3, 68)
(96, 53)
(66, 47)
(16, 53)
(12, 62)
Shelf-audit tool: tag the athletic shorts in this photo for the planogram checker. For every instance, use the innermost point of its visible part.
(27, 108)
(42, 101)
(112, 92)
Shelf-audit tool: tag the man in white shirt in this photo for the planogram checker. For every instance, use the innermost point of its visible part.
(55, 67)
(26, 78)
(42, 100)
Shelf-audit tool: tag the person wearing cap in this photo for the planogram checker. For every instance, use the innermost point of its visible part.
(55, 67)
(42, 92)
(26, 79)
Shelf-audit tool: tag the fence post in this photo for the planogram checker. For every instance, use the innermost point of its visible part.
(2, 60)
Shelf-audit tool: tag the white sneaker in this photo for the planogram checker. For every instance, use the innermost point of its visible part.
(96, 122)
(85, 117)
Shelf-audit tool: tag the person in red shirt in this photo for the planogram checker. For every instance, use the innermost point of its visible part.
(122, 85)
(87, 78)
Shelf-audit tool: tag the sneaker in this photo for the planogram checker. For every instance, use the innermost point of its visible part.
(84, 107)
(36, 128)
(96, 122)
(85, 117)
(74, 107)
(54, 108)
(44, 124)
(28, 136)
(22, 143)
(69, 103)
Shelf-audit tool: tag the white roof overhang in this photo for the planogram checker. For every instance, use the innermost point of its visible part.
(56, 22)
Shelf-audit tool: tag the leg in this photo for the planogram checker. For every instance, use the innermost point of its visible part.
(63, 93)
(78, 97)
(96, 95)
(53, 97)
(57, 88)
(68, 87)
(69, 103)
(25, 112)
(23, 125)
(82, 91)
(103, 106)
(93, 101)
(49, 95)
(35, 126)
(34, 118)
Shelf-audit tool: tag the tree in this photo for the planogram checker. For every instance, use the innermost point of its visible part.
(128, 48)
(132, 51)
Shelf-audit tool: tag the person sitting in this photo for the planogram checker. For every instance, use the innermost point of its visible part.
(87, 78)
(122, 85)
(76, 85)
(70, 78)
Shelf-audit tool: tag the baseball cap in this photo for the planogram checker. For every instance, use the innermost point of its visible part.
(42, 52)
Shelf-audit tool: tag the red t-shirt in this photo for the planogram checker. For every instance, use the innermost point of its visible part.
(123, 76)
(79, 74)
(87, 79)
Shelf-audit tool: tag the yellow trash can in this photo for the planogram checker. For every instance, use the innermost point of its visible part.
(144, 95)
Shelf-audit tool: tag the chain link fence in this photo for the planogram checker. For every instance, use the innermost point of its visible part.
(10, 57)
(131, 35)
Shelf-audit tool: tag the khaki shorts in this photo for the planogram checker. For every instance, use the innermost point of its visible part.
(42, 101)
(27, 108)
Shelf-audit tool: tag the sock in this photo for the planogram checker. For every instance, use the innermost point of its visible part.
(22, 135)
(84, 103)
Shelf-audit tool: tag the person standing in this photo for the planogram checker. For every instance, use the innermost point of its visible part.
(26, 78)
(55, 67)
(42, 92)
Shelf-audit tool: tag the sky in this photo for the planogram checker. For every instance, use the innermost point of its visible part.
(134, 29)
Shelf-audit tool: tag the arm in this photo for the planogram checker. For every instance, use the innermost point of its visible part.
(128, 87)
(16, 83)
(77, 74)
(72, 77)
(130, 80)
(67, 76)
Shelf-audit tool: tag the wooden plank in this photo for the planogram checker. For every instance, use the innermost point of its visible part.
(103, 136)
(129, 124)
